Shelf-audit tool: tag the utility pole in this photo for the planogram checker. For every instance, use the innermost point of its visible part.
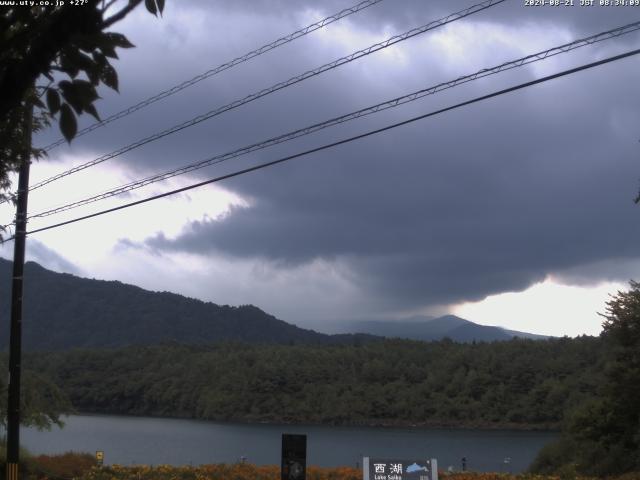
(15, 339)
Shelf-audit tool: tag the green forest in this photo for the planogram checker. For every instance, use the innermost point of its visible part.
(586, 387)
(520, 383)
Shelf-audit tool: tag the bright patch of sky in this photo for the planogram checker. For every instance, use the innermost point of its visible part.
(91, 243)
(548, 308)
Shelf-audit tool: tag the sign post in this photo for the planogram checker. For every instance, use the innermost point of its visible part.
(15, 329)
(399, 469)
(294, 457)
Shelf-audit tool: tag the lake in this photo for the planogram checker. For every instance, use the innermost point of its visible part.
(141, 440)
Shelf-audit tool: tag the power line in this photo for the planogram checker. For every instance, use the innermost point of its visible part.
(613, 33)
(279, 86)
(293, 80)
(344, 141)
(221, 68)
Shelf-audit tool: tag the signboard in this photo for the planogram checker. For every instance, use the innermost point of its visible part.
(100, 457)
(399, 469)
(294, 457)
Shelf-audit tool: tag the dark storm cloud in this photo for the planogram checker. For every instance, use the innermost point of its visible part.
(483, 200)
(151, 73)
(477, 202)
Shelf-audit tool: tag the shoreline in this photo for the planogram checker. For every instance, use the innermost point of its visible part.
(365, 425)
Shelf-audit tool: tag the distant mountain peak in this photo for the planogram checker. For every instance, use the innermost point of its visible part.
(62, 310)
(430, 329)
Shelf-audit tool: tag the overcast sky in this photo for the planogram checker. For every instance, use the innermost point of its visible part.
(517, 211)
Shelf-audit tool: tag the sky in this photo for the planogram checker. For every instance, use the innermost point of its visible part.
(516, 211)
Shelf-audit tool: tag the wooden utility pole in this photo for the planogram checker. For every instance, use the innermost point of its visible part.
(15, 339)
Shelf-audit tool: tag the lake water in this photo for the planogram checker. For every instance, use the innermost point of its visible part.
(136, 440)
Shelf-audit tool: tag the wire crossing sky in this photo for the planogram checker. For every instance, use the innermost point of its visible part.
(221, 68)
(516, 211)
(526, 60)
(344, 141)
(279, 86)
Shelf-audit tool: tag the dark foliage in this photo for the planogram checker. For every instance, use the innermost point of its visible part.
(520, 383)
(65, 49)
(49, 467)
(41, 401)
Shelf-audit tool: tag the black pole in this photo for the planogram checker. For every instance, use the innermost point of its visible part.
(15, 339)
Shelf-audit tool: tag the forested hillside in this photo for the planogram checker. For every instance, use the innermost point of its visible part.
(63, 311)
(520, 383)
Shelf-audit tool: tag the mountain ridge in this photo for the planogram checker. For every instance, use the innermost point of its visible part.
(63, 311)
(433, 329)
(101, 313)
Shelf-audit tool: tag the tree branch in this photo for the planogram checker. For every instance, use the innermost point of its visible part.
(121, 14)
(55, 32)
(107, 6)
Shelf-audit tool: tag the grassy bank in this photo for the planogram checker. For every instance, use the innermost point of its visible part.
(271, 472)
(83, 467)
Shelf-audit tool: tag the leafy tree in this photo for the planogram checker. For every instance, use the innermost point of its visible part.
(67, 47)
(621, 430)
(602, 436)
(12, 136)
(42, 402)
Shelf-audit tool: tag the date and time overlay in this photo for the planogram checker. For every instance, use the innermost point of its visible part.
(581, 3)
(526, 3)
